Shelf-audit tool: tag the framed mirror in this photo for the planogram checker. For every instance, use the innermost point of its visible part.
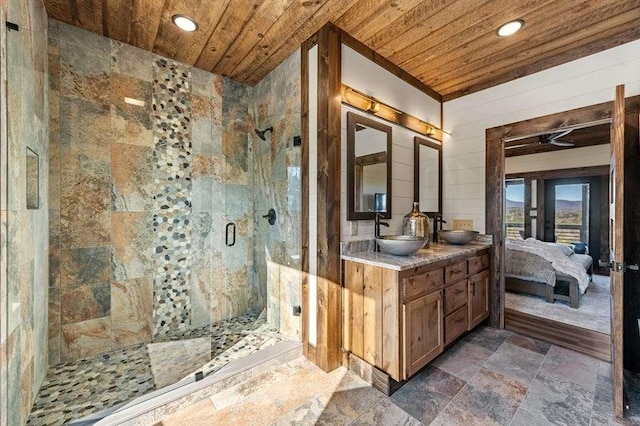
(368, 168)
(427, 179)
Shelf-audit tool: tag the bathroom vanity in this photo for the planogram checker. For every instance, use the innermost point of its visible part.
(402, 312)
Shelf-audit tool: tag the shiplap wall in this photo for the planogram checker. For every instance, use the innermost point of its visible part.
(361, 74)
(576, 84)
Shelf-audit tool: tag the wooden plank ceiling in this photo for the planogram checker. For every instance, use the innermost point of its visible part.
(450, 45)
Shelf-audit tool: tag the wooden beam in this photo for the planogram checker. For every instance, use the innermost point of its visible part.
(304, 182)
(495, 225)
(562, 174)
(328, 352)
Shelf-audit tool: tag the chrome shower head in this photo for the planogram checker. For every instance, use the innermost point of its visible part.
(261, 133)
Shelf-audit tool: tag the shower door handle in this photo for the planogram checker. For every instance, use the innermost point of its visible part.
(230, 232)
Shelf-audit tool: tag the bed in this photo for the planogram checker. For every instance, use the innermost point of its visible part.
(549, 270)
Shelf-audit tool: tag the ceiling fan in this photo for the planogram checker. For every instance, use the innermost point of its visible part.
(554, 139)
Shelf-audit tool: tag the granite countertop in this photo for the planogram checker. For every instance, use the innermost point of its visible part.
(434, 253)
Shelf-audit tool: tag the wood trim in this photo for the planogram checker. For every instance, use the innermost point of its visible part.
(495, 174)
(562, 174)
(527, 207)
(540, 206)
(304, 181)
(495, 181)
(417, 141)
(353, 120)
(617, 277)
(578, 339)
(362, 102)
(328, 355)
(376, 58)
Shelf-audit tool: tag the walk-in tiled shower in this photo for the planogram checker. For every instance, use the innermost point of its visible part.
(152, 185)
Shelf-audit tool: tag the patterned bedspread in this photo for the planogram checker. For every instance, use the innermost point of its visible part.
(535, 259)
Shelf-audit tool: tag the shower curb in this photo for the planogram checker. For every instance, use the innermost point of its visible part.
(151, 408)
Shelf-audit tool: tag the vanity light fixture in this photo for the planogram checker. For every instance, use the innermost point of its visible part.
(374, 106)
(510, 28)
(184, 23)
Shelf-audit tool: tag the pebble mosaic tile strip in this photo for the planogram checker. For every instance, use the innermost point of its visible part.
(171, 104)
(90, 385)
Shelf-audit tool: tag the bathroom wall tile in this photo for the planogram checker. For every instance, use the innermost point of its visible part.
(85, 302)
(131, 61)
(235, 110)
(74, 83)
(84, 139)
(132, 171)
(206, 84)
(131, 123)
(84, 216)
(85, 266)
(54, 248)
(202, 240)
(131, 311)
(201, 292)
(235, 150)
(85, 338)
(290, 296)
(84, 71)
(53, 313)
(131, 233)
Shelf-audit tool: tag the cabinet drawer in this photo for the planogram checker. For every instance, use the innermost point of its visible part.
(455, 297)
(456, 272)
(421, 284)
(454, 325)
(478, 263)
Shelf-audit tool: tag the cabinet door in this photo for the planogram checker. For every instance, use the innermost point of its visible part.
(423, 331)
(478, 298)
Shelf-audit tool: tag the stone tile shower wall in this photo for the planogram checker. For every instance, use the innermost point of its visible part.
(276, 102)
(140, 196)
(23, 231)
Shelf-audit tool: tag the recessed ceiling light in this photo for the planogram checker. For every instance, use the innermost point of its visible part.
(510, 28)
(184, 23)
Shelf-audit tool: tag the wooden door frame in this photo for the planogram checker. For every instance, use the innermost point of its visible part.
(495, 178)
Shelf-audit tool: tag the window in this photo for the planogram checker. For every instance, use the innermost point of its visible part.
(514, 205)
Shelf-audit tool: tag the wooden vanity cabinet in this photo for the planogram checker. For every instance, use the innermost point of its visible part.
(423, 331)
(399, 321)
(478, 298)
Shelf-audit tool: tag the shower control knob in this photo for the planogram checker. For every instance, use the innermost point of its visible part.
(271, 217)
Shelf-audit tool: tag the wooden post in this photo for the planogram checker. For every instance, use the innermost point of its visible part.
(328, 352)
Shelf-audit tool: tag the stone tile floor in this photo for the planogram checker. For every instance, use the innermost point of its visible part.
(77, 389)
(490, 377)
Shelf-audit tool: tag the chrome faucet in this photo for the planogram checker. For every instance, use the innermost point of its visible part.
(376, 231)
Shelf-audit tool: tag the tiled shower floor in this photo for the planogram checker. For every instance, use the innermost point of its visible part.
(77, 389)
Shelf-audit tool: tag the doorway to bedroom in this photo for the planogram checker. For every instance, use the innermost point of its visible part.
(565, 213)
